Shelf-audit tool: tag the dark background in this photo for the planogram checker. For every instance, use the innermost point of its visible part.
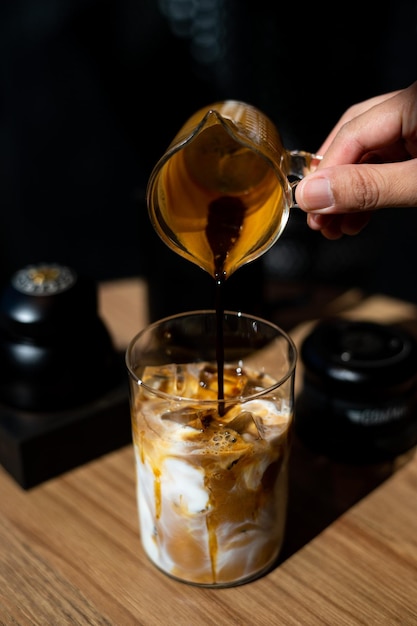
(92, 92)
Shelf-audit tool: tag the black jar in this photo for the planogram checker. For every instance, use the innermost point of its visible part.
(358, 401)
(55, 351)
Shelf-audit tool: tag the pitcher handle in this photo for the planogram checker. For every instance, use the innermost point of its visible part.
(301, 164)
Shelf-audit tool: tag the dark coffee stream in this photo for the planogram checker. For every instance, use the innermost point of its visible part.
(224, 223)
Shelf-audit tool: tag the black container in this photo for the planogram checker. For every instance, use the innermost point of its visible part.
(55, 352)
(63, 386)
(358, 402)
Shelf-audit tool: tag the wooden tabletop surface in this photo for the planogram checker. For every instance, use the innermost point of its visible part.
(70, 551)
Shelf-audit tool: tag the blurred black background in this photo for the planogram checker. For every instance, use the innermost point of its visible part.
(93, 91)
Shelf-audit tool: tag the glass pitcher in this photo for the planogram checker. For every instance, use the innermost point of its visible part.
(221, 193)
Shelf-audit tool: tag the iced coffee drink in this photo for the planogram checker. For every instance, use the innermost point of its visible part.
(212, 475)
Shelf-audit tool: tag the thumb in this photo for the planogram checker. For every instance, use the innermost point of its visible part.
(361, 187)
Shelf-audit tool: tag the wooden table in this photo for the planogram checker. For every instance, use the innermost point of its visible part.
(70, 551)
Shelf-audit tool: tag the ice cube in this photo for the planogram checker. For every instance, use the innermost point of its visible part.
(185, 417)
(191, 417)
(173, 379)
(246, 425)
(234, 380)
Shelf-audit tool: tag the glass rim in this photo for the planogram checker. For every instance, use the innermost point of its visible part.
(293, 355)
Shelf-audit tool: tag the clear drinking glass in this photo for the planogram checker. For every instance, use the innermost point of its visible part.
(212, 473)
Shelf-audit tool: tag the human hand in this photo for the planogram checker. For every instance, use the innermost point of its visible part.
(369, 162)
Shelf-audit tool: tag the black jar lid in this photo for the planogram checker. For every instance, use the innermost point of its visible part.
(358, 401)
(361, 355)
(40, 299)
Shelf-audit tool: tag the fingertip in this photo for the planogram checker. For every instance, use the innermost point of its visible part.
(317, 221)
(328, 225)
(314, 194)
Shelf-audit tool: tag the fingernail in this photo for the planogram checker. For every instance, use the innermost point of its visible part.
(316, 194)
